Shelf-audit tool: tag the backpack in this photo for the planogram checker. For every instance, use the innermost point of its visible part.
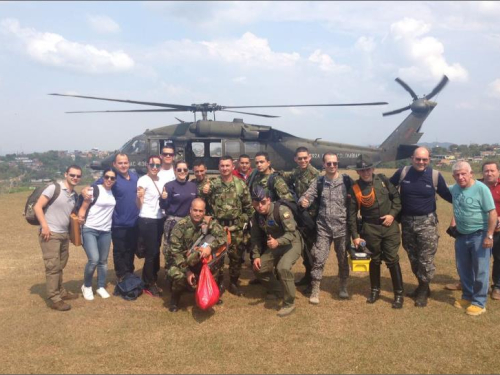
(272, 191)
(130, 287)
(29, 212)
(79, 201)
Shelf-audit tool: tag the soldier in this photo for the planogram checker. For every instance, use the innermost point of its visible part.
(200, 173)
(331, 223)
(277, 187)
(184, 235)
(418, 186)
(300, 179)
(378, 202)
(276, 244)
(230, 201)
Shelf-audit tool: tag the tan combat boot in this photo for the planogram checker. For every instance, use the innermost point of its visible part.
(314, 299)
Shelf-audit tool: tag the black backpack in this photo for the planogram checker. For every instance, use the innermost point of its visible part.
(29, 212)
(130, 287)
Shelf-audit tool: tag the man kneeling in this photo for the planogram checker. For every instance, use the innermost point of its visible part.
(276, 242)
(186, 264)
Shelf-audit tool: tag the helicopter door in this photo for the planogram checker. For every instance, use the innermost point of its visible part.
(232, 148)
(207, 150)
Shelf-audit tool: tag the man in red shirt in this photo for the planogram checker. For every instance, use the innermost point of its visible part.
(491, 179)
(243, 171)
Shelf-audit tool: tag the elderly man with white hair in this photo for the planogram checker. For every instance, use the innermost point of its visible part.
(476, 218)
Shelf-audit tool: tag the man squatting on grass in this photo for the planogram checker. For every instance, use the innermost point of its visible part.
(476, 218)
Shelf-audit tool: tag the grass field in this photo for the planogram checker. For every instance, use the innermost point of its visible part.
(244, 335)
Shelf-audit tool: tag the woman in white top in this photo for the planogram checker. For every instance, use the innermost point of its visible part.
(150, 223)
(96, 213)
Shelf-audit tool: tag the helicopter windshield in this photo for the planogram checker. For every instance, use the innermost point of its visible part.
(136, 145)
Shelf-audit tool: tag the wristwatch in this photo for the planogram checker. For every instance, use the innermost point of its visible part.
(490, 236)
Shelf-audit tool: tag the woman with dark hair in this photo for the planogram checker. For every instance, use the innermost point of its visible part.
(150, 223)
(176, 201)
(96, 213)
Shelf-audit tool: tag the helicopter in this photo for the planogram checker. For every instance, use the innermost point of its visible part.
(209, 139)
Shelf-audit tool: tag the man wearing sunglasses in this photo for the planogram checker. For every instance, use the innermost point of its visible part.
(230, 201)
(418, 186)
(300, 179)
(166, 173)
(378, 204)
(54, 236)
(330, 194)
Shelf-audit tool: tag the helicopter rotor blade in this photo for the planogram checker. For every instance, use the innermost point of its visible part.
(134, 110)
(396, 111)
(178, 106)
(252, 114)
(407, 88)
(438, 88)
(307, 105)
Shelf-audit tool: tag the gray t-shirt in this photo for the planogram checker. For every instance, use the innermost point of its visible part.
(57, 215)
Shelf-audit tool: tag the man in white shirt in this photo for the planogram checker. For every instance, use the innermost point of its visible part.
(166, 173)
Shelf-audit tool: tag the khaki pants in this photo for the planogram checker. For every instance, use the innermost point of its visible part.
(55, 256)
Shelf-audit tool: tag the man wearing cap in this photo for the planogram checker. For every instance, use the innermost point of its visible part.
(378, 203)
(418, 186)
(276, 244)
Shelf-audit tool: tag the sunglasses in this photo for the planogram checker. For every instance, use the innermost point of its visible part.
(332, 164)
(168, 154)
(111, 178)
(303, 158)
(182, 170)
(421, 159)
(153, 166)
(75, 175)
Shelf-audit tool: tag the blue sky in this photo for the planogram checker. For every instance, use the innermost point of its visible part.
(245, 53)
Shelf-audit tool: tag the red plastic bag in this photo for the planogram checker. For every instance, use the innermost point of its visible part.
(207, 292)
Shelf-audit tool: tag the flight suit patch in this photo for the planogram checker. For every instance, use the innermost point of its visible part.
(286, 215)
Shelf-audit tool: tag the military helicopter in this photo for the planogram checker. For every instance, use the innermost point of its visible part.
(208, 139)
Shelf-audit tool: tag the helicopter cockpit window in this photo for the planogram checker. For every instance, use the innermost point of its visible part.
(232, 148)
(135, 146)
(198, 149)
(251, 148)
(215, 149)
(154, 147)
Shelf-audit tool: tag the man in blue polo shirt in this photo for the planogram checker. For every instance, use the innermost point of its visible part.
(476, 218)
(418, 186)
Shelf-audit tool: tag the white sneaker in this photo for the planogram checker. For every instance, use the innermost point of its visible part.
(103, 293)
(87, 293)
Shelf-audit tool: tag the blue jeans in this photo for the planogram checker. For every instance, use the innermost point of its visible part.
(473, 265)
(96, 244)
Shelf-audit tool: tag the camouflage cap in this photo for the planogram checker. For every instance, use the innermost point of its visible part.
(259, 193)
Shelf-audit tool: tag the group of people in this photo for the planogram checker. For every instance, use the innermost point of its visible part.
(260, 212)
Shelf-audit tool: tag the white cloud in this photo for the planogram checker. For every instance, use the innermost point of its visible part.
(103, 24)
(425, 52)
(326, 63)
(240, 79)
(495, 88)
(250, 50)
(366, 44)
(54, 50)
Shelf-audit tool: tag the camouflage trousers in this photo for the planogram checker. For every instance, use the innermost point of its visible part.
(420, 240)
(178, 275)
(321, 250)
(234, 253)
(167, 230)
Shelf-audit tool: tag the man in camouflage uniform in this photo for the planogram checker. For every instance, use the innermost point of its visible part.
(300, 179)
(278, 189)
(418, 187)
(230, 201)
(200, 174)
(379, 204)
(331, 224)
(184, 235)
(276, 245)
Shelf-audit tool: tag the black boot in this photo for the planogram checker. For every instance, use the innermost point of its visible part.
(397, 286)
(374, 283)
(220, 284)
(421, 298)
(233, 287)
(414, 294)
(174, 302)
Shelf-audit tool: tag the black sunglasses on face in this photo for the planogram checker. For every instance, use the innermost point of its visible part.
(302, 158)
(112, 178)
(182, 170)
(75, 175)
(153, 165)
(332, 164)
(422, 159)
(167, 154)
